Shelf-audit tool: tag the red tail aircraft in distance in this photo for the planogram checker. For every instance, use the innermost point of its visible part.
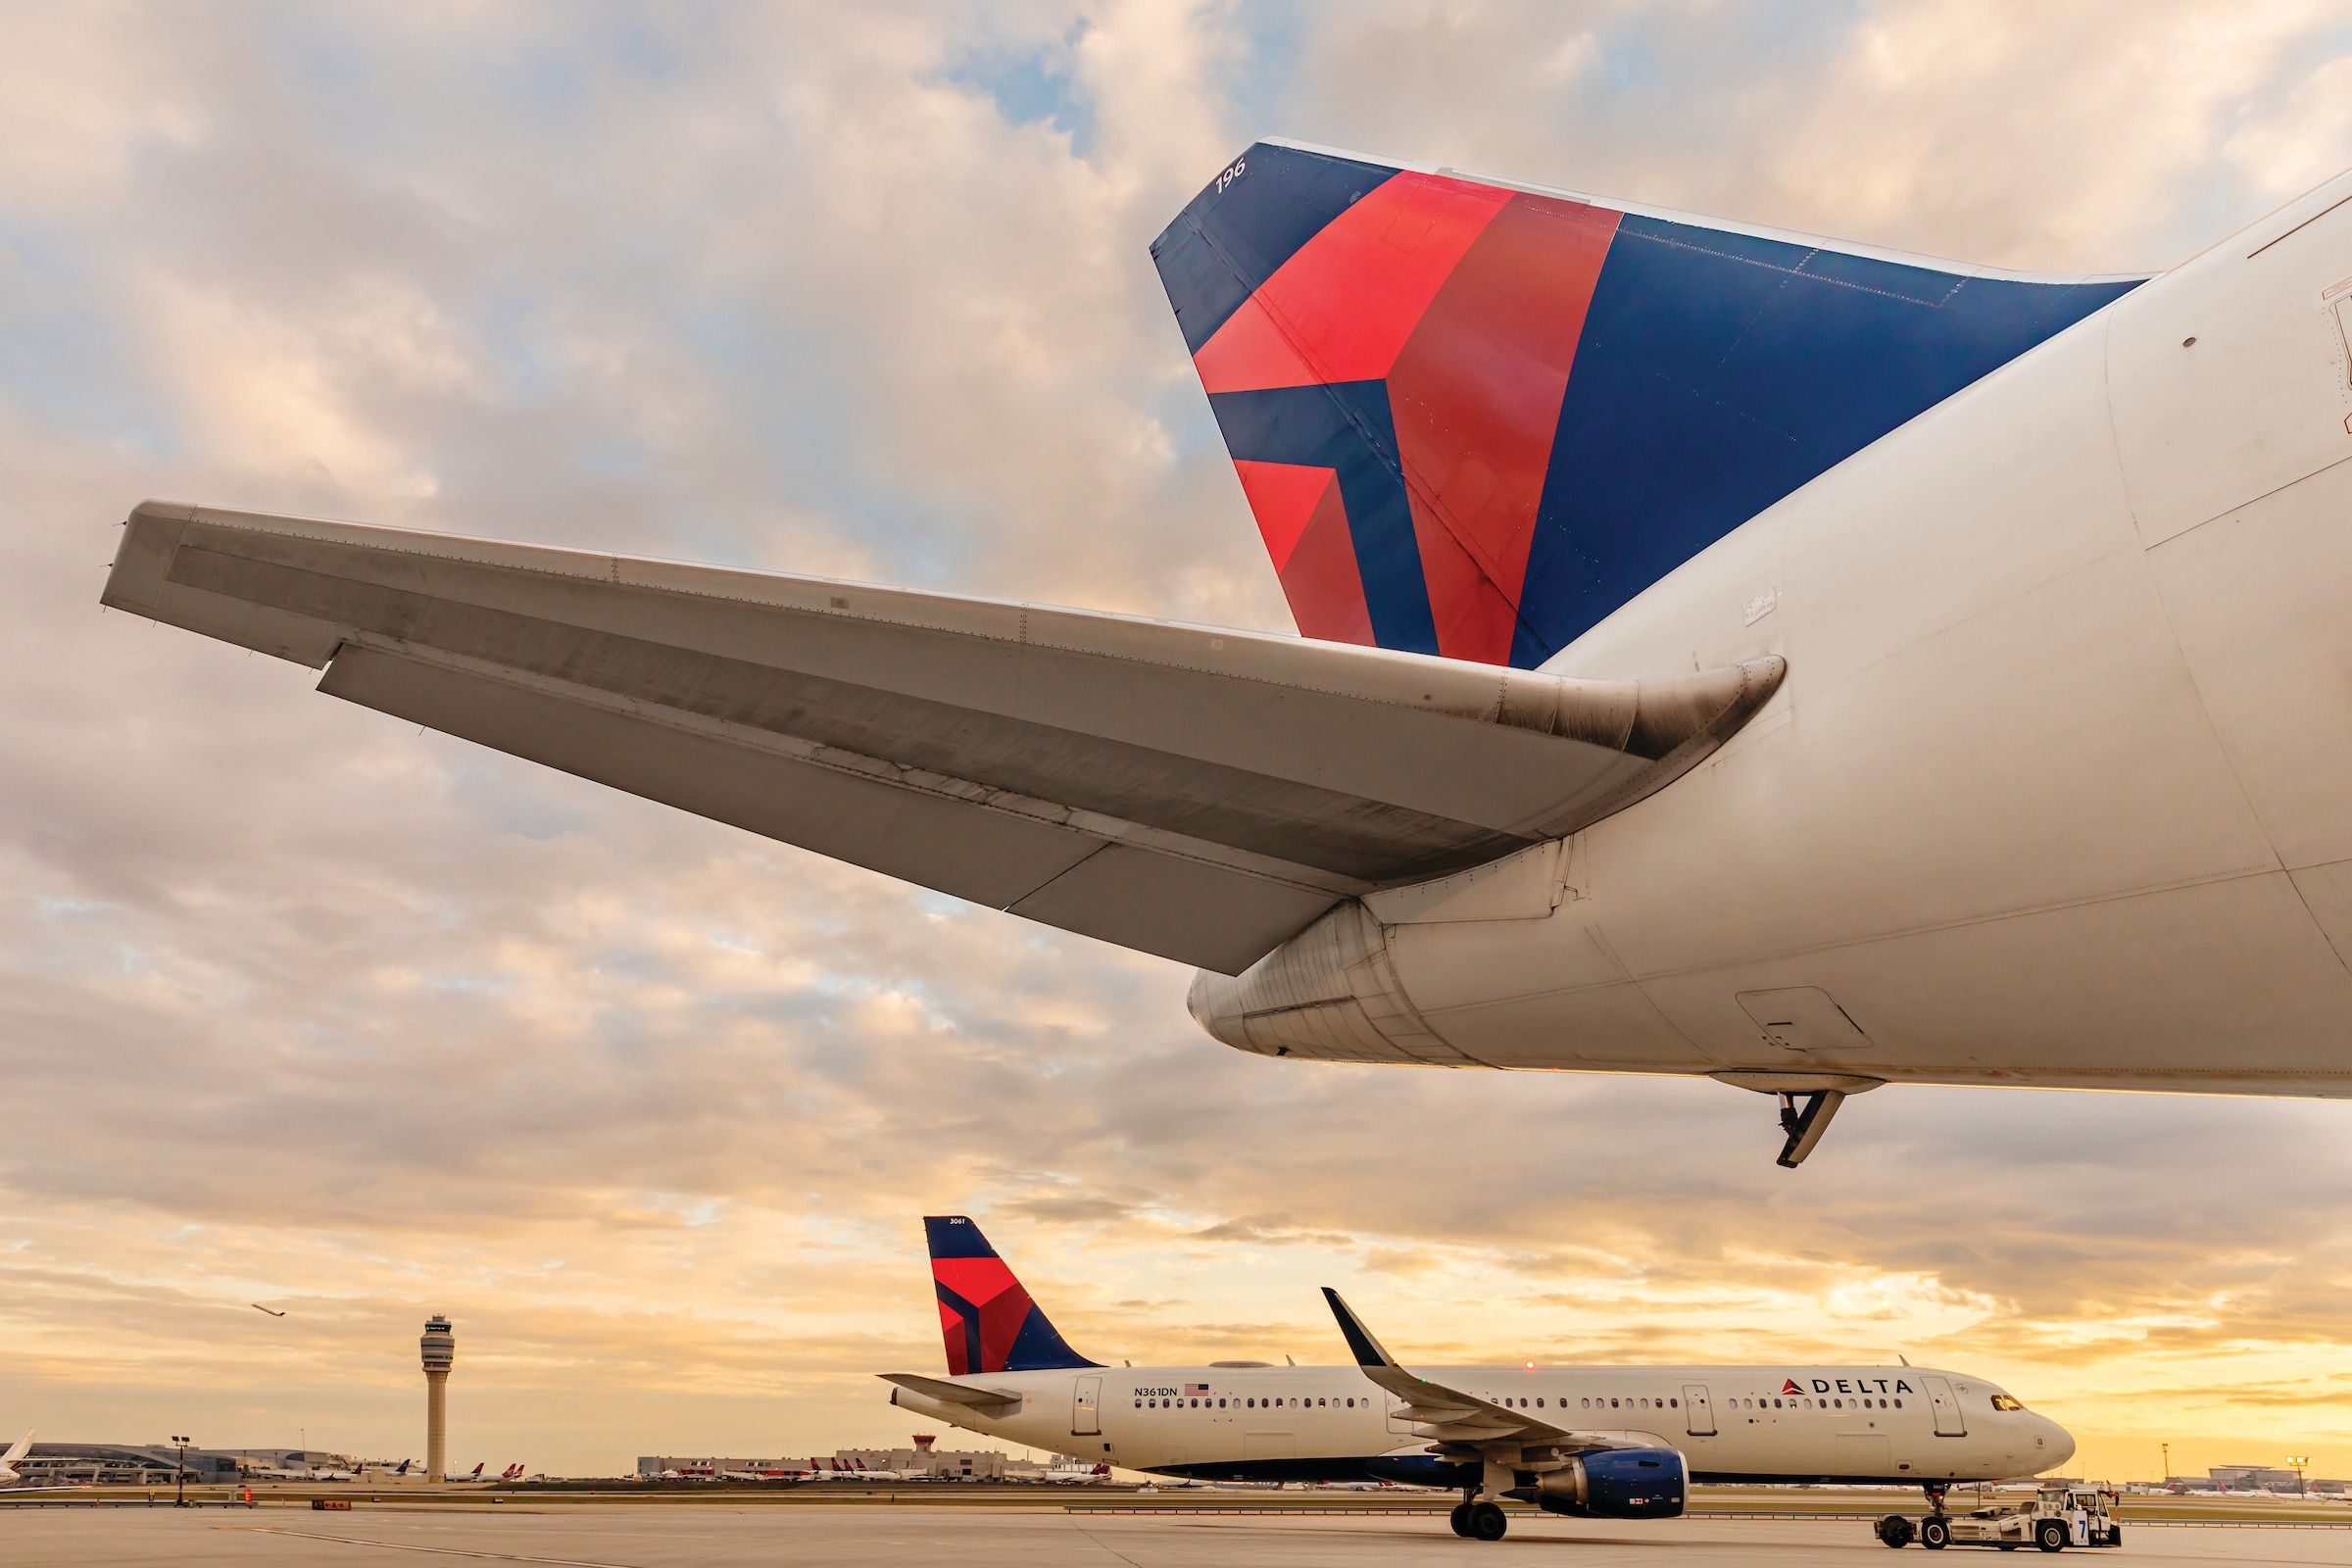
(1591, 1441)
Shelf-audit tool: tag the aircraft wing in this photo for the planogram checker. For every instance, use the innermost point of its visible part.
(1184, 791)
(946, 1392)
(1449, 1415)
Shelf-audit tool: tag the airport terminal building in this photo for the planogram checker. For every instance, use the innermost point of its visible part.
(127, 1462)
(940, 1464)
(2267, 1477)
(158, 1463)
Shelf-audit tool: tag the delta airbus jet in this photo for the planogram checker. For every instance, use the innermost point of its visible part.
(1598, 1443)
(1725, 651)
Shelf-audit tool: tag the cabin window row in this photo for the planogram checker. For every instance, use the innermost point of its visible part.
(1249, 1404)
(1874, 1403)
(1521, 1401)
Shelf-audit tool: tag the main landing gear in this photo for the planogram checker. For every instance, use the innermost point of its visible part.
(1479, 1521)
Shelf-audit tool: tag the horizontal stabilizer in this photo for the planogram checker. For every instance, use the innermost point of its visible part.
(1184, 791)
(985, 1400)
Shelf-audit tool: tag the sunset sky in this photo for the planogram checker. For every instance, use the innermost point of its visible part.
(302, 1006)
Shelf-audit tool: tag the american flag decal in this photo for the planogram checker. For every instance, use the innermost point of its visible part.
(1192, 1389)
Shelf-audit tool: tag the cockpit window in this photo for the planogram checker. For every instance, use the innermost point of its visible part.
(2005, 1402)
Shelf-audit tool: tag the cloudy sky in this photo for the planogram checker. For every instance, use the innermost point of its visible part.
(299, 1005)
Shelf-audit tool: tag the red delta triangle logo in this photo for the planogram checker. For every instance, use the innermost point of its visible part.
(1391, 395)
(982, 1308)
(1788, 1386)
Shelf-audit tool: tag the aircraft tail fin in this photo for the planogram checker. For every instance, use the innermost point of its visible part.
(987, 1319)
(1474, 419)
(16, 1451)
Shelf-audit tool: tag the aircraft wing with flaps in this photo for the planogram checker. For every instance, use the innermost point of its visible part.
(1183, 791)
(1447, 1415)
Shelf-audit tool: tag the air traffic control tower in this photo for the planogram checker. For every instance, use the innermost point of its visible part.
(440, 1349)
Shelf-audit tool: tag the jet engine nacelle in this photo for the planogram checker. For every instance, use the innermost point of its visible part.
(1615, 1484)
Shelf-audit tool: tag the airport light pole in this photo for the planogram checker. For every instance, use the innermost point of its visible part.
(2298, 1461)
(179, 1473)
(2166, 1480)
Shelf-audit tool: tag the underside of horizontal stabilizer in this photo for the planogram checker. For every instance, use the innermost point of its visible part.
(1196, 793)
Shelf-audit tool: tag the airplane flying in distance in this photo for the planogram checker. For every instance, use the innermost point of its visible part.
(1602, 1442)
(1725, 651)
(272, 1312)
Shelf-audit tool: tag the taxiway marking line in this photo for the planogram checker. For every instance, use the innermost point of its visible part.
(438, 1552)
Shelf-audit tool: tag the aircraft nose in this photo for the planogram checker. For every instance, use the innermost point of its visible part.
(2058, 1444)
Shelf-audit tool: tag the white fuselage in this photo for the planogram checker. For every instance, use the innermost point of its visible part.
(2057, 790)
(1897, 1424)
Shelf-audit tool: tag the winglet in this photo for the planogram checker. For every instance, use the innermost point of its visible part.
(1433, 1409)
(1366, 1349)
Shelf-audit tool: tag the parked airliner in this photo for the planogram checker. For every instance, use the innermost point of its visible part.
(1607, 1443)
(1727, 651)
(512, 1472)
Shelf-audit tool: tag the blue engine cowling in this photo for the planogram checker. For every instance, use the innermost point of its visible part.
(1615, 1484)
